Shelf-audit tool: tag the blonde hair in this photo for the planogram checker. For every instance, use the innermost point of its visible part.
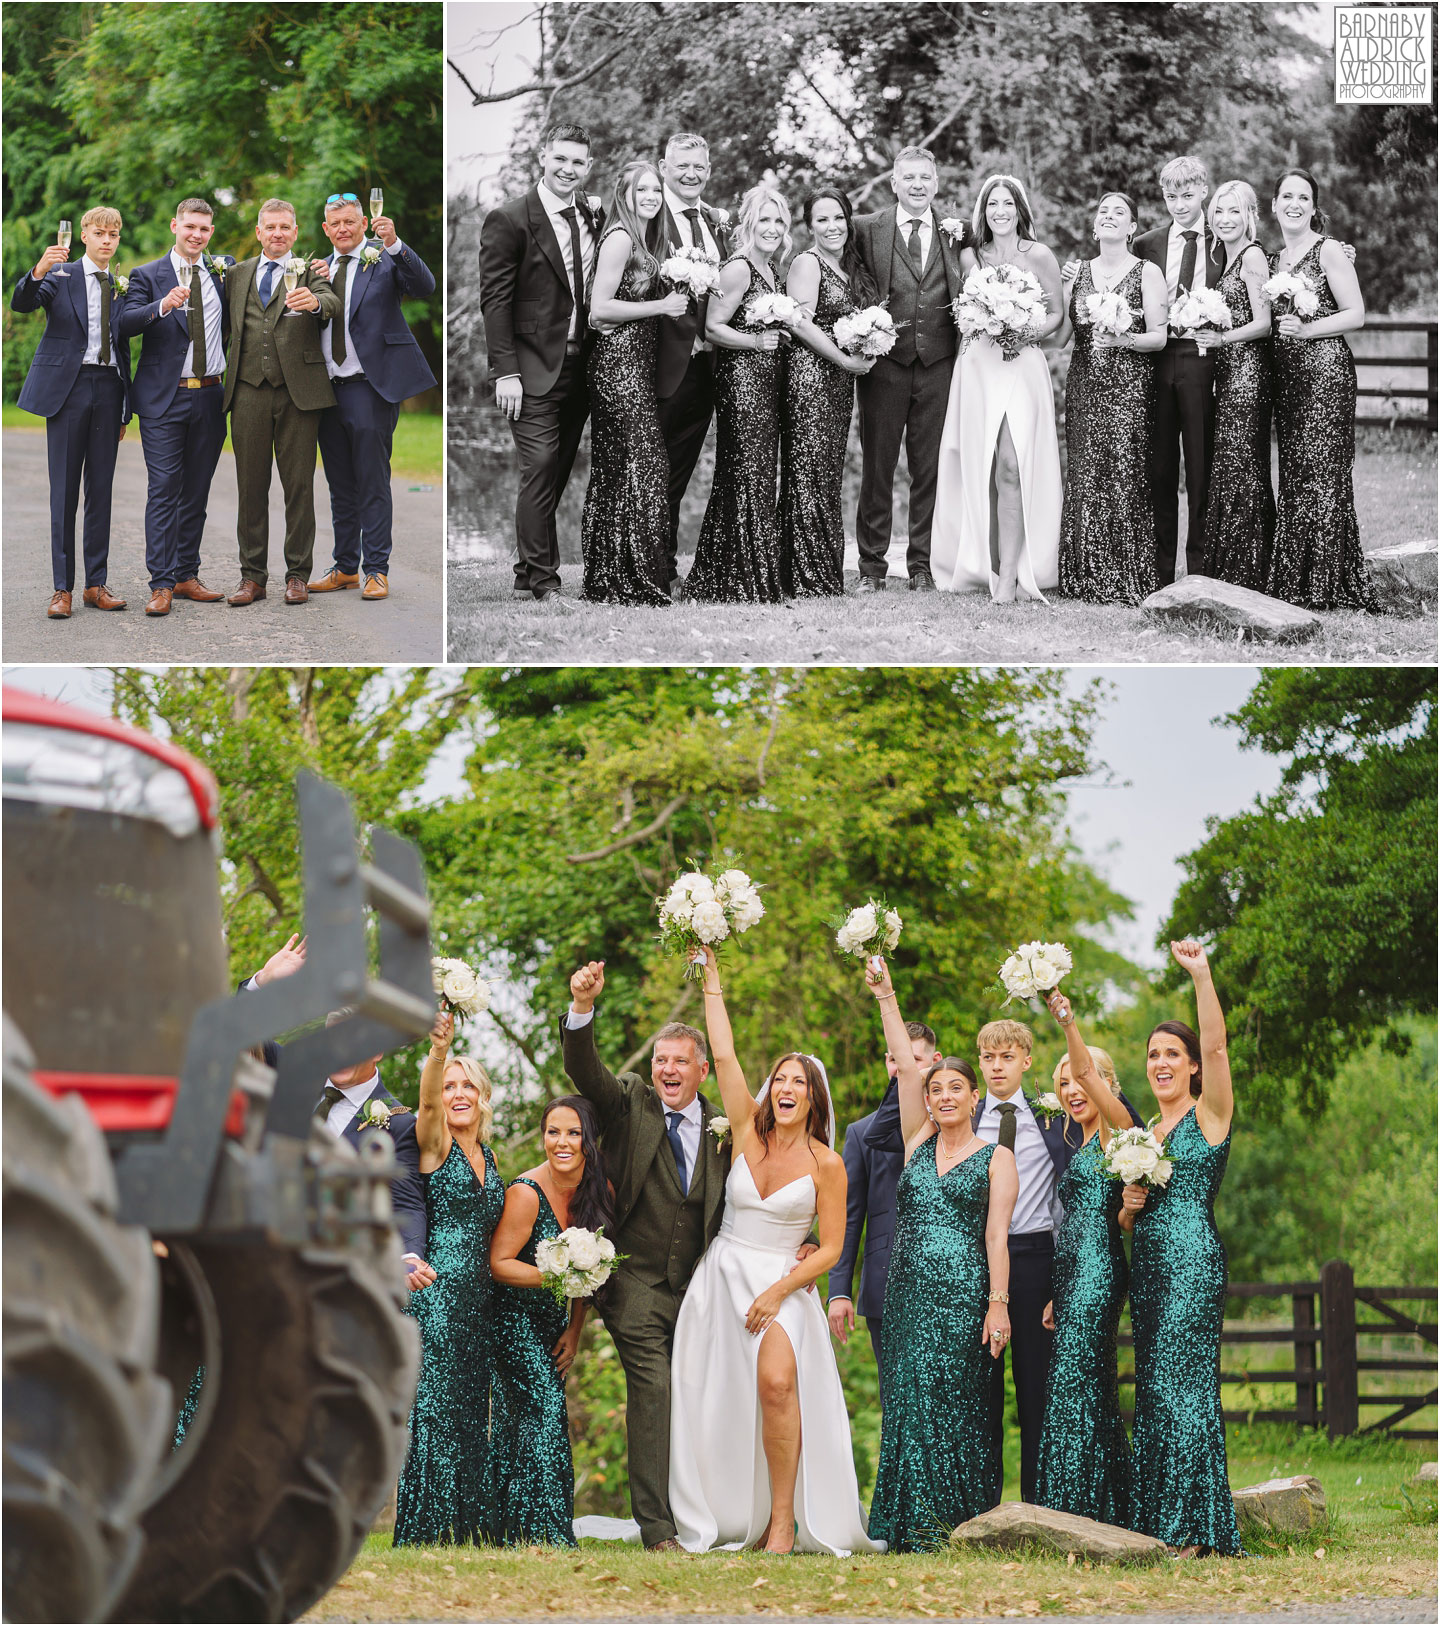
(995, 1035)
(1180, 170)
(102, 216)
(1248, 202)
(476, 1075)
(750, 206)
(1104, 1065)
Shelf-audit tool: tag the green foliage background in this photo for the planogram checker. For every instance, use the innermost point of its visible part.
(137, 105)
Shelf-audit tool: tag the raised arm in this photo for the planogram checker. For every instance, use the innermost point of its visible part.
(583, 1067)
(432, 1133)
(1082, 1064)
(735, 1095)
(910, 1086)
(1216, 1106)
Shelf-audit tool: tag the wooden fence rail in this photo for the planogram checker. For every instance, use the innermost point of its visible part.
(1429, 363)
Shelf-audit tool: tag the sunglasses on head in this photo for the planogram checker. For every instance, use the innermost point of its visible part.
(342, 197)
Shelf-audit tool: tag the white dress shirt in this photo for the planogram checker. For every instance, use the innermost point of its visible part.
(903, 218)
(91, 358)
(1175, 249)
(700, 236)
(211, 308)
(1035, 1205)
(554, 207)
(278, 291)
(350, 367)
(343, 1113)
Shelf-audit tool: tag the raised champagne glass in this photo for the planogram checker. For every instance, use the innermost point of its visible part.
(377, 203)
(62, 237)
(292, 279)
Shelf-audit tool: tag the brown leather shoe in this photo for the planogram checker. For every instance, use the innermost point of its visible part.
(160, 601)
(335, 580)
(376, 587)
(197, 590)
(101, 598)
(246, 593)
(59, 605)
(669, 1545)
(296, 592)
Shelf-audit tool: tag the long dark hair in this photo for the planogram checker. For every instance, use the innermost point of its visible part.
(590, 1207)
(644, 235)
(818, 1124)
(1024, 220)
(862, 285)
(1319, 220)
(1188, 1037)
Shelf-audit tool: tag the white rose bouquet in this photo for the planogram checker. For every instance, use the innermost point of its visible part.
(1109, 312)
(774, 310)
(1198, 312)
(577, 1263)
(697, 912)
(1034, 968)
(691, 271)
(1291, 294)
(462, 991)
(868, 332)
(873, 928)
(1003, 303)
(1138, 1157)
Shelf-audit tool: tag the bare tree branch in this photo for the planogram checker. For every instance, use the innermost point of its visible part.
(543, 86)
(636, 1056)
(656, 825)
(262, 886)
(525, 1048)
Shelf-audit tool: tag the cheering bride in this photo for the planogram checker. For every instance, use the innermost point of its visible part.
(759, 1436)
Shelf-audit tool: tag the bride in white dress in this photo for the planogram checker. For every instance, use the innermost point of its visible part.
(999, 494)
(759, 1434)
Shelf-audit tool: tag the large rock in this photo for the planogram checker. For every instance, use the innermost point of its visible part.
(1428, 1471)
(1292, 1506)
(1202, 604)
(1015, 1525)
(1404, 577)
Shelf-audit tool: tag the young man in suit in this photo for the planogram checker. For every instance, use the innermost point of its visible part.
(537, 253)
(374, 364)
(79, 382)
(178, 394)
(874, 1158)
(916, 266)
(276, 387)
(1184, 378)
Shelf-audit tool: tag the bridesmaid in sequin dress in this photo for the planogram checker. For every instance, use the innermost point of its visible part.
(945, 1302)
(625, 526)
(1177, 1287)
(828, 281)
(1107, 526)
(738, 555)
(1317, 559)
(443, 1487)
(532, 1473)
(1240, 505)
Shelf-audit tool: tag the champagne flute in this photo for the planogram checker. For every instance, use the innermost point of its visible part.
(377, 203)
(62, 237)
(186, 276)
(292, 278)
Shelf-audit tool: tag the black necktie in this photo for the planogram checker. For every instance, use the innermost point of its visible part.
(674, 1119)
(1187, 262)
(693, 216)
(197, 324)
(338, 349)
(913, 247)
(103, 278)
(332, 1094)
(267, 282)
(577, 268)
(1006, 1109)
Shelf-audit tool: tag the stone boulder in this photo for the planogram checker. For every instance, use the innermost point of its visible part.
(1427, 1471)
(1200, 604)
(1284, 1507)
(1018, 1525)
(1404, 577)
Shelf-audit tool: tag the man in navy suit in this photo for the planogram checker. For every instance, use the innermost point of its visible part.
(179, 394)
(537, 253)
(1184, 379)
(874, 1157)
(374, 364)
(79, 382)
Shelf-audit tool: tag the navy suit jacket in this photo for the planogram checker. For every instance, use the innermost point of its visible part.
(164, 339)
(388, 351)
(872, 1169)
(56, 363)
(407, 1190)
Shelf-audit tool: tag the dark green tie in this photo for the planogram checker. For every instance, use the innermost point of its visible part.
(103, 278)
(332, 1094)
(338, 348)
(1006, 1109)
(197, 325)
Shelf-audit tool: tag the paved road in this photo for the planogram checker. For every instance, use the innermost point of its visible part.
(336, 628)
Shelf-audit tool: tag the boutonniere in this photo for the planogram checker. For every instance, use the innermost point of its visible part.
(954, 229)
(720, 1129)
(369, 256)
(1048, 1106)
(120, 284)
(721, 217)
(298, 264)
(217, 267)
(376, 1114)
(594, 200)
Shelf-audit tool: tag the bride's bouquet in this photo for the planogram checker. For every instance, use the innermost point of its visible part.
(1138, 1157)
(1198, 312)
(1291, 294)
(691, 271)
(1004, 303)
(577, 1263)
(873, 928)
(868, 332)
(697, 912)
(774, 310)
(1034, 968)
(462, 992)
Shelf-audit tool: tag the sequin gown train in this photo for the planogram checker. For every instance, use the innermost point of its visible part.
(1240, 504)
(625, 524)
(738, 555)
(1085, 1465)
(443, 1486)
(938, 1453)
(1177, 1310)
(532, 1473)
(1317, 559)
(1107, 526)
(819, 402)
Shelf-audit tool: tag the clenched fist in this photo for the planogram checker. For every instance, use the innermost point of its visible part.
(586, 985)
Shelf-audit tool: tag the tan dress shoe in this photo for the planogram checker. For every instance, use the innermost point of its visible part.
(197, 590)
(160, 601)
(246, 593)
(376, 587)
(59, 605)
(335, 580)
(101, 598)
(296, 592)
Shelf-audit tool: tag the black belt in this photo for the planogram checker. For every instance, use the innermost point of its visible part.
(351, 378)
(99, 367)
(1033, 1242)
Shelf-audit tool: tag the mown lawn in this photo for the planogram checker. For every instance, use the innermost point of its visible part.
(1377, 1544)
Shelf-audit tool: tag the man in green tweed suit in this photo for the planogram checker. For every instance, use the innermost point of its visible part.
(669, 1171)
(276, 387)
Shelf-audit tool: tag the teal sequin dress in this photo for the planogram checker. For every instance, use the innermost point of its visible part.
(532, 1472)
(1177, 1308)
(1085, 1465)
(443, 1486)
(938, 1451)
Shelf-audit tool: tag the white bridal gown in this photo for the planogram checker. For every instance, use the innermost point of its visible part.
(984, 391)
(719, 1483)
